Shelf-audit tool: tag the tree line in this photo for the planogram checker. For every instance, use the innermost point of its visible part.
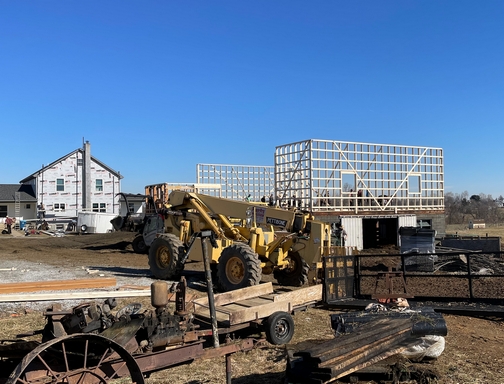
(460, 208)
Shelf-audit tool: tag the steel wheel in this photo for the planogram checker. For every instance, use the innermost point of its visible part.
(296, 274)
(163, 258)
(76, 359)
(279, 328)
(238, 267)
(235, 270)
(164, 255)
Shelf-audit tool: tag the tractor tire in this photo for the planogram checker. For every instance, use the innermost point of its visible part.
(238, 267)
(279, 328)
(296, 274)
(164, 257)
(139, 245)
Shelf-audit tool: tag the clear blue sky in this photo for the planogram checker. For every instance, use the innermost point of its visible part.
(159, 86)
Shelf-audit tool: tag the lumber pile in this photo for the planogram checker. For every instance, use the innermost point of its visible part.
(362, 339)
(348, 353)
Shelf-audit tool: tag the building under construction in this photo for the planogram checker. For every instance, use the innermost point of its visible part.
(371, 189)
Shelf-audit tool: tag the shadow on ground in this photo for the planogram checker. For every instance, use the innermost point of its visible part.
(124, 272)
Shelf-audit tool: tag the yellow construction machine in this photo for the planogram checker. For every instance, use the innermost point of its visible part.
(248, 240)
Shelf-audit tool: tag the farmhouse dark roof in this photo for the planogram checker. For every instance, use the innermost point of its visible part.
(35, 174)
(8, 193)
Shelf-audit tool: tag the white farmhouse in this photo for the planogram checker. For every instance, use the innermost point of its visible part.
(75, 182)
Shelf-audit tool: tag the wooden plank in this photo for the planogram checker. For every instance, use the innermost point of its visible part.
(358, 337)
(257, 312)
(301, 296)
(233, 308)
(233, 314)
(132, 286)
(401, 347)
(345, 360)
(72, 296)
(254, 301)
(56, 285)
(353, 342)
(237, 295)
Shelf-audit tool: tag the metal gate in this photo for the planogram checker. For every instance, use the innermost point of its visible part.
(338, 277)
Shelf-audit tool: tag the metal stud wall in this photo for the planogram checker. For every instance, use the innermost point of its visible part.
(325, 175)
(238, 181)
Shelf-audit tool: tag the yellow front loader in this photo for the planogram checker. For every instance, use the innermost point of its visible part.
(250, 240)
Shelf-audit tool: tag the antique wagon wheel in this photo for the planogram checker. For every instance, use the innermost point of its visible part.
(78, 358)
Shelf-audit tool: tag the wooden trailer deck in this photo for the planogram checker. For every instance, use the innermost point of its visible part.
(256, 303)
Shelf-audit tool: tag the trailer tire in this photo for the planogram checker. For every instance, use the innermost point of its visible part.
(296, 274)
(238, 267)
(279, 328)
(164, 257)
(139, 245)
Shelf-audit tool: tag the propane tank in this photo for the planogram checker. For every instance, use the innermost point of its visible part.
(159, 294)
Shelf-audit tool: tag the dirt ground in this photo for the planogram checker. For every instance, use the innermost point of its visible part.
(474, 351)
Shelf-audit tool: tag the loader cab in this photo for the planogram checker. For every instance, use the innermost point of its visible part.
(153, 225)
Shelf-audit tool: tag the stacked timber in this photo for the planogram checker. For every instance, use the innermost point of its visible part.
(369, 338)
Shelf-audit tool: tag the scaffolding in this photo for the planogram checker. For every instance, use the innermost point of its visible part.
(325, 175)
(239, 182)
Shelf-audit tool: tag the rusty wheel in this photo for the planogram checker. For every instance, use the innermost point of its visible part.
(76, 359)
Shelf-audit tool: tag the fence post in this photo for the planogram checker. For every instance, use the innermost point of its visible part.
(469, 275)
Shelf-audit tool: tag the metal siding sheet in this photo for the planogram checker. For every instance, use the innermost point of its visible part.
(405, 221)
(353, 228)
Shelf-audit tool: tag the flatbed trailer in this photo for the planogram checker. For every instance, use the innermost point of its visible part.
(125, 349)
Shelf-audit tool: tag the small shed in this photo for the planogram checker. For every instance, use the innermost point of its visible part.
(476, 223)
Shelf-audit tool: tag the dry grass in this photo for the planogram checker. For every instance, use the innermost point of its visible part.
(462, 230)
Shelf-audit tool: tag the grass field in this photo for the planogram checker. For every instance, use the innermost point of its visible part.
(462, 230)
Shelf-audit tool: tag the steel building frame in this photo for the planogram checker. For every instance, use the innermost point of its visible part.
(239, 181)
(326, 175)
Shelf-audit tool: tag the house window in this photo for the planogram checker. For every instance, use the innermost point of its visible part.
(60, 185)
(28, 206)
(99, 207)
(99, 185)
(59, 207)
(131, 207)
(3, 211)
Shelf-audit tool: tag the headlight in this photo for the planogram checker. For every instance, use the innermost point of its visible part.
(249, 217)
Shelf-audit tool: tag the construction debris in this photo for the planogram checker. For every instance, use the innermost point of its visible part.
(363, 339)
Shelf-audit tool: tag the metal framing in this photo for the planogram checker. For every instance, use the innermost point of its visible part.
(239, 181)
(326, 175)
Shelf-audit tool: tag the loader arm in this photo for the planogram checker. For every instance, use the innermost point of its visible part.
(195, 203)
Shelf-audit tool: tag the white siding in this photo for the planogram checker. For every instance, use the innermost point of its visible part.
(353, 228)
(407, 221)
(71, 173)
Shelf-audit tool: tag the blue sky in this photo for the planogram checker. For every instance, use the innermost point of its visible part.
(159, 86)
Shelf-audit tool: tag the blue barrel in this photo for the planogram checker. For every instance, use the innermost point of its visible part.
(22, 224)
